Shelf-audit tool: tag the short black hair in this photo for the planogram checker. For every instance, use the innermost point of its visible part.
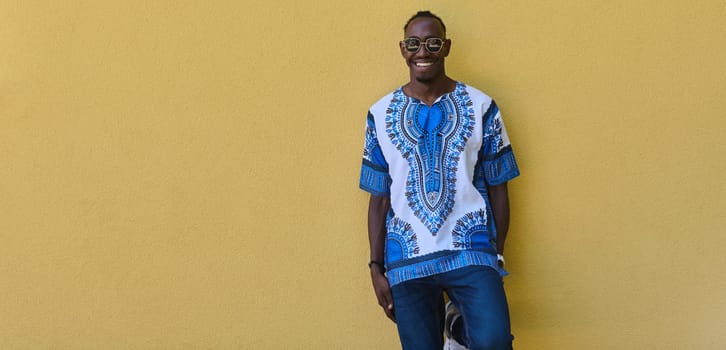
(425, 14)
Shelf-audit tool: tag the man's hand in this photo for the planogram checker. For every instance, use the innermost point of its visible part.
(383, 292)
(378, 206)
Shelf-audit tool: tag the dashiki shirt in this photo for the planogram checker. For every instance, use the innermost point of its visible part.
(435, 163)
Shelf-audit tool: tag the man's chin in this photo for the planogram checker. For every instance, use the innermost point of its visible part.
(424, 79)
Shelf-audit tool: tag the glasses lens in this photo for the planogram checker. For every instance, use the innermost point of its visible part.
(412, 44)
(434, 44)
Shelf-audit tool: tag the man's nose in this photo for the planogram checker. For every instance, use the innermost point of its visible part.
(422, 51)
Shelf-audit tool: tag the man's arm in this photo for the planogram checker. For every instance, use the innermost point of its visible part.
(499, 199)
(377, 209)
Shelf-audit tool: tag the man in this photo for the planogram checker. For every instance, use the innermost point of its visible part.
(436, 163)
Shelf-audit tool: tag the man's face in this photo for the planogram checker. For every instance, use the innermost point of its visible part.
(424, 65)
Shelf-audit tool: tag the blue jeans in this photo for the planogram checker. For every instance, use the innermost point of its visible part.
(478, 293)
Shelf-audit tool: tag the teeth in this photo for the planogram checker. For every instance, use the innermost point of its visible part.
(423, 64)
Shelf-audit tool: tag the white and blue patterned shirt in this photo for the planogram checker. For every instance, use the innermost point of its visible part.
(435, 163)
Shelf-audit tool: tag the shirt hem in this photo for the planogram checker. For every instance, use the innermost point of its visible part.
(443, 264)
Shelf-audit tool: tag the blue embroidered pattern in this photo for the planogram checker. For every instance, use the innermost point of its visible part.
(370, 142)
(432, 152)
(467, 227)
(374, 176)
(495, 129)
(401, 241)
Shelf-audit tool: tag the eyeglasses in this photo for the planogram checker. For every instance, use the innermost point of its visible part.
(433, 45)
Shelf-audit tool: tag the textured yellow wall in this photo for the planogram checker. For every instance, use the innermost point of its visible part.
(183, 175)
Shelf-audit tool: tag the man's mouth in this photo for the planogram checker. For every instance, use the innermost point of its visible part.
(423, 64)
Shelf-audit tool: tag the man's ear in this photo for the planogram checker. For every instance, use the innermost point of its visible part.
(447, 47)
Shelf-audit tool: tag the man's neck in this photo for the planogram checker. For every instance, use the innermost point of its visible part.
(428, 92)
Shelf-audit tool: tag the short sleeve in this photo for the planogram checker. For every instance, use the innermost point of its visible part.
(374, 177)
(496, 164)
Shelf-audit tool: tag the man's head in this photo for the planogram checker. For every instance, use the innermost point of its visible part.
(425, 46)
(425, 14)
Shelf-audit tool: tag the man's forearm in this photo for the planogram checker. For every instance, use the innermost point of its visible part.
(377, 209)
(499, 199)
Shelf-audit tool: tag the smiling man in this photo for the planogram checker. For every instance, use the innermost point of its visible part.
(436, 162)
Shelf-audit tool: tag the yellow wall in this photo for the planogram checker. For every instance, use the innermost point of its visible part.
(183, 175)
